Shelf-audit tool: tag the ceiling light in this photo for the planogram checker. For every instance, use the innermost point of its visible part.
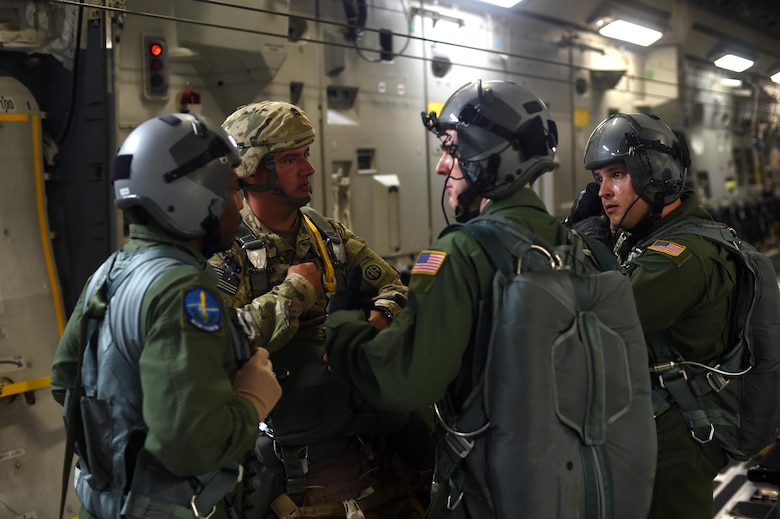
(630, 32)
(774, 72)
(733, 62)
(731, 82)
(502, 3)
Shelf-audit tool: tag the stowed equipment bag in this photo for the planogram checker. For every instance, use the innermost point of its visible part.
(559, 423)
(735, 399)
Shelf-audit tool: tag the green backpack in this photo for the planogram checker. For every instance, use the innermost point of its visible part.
(735, 399)
(559, 422)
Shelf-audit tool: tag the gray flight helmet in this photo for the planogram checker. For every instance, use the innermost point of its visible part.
(178, 168)
(657, 158)
(506, 136)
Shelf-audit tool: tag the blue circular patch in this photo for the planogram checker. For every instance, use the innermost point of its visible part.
(202, 309)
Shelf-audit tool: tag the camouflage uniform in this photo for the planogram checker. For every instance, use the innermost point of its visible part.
(281, 253)
(319, 419)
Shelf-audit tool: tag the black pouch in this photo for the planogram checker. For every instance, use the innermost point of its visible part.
(93, 442)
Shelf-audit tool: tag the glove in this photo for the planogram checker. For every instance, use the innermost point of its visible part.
(352, 297)
(587, 204)
(597, 227)
(256, 382)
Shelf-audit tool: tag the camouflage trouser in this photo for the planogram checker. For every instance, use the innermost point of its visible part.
(350, 484)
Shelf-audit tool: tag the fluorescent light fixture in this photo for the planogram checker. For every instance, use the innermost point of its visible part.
(502, 3)
(733, 62)
(630, 32)
(775, 77)
(731, 82)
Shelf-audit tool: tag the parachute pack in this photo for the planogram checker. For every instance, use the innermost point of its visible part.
(735, 399)
(559, 422)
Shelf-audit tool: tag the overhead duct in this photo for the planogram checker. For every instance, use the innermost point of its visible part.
(240, 49)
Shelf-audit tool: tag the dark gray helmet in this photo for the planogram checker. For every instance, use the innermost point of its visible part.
(656, 157)
(506, 136)
(178, 168)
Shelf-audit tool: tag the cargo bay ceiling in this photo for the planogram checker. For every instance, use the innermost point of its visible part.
(698, 27)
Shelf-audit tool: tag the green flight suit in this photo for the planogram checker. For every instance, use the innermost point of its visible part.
(413, 362)
(196, 424)
(684, 291)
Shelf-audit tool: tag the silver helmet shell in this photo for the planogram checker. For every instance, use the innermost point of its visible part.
(506, 136)
(178, 168)
(656, 157)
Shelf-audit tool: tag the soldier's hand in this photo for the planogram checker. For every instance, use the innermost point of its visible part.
(311, 272)
(379, 319)
(586, 205)
(256, 382)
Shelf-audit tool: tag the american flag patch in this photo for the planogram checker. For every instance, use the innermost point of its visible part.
(428, 262)
(667, 247)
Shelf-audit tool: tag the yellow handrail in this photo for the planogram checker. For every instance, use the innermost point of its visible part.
(24, 386)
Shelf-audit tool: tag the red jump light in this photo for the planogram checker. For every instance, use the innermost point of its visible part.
(156, 49)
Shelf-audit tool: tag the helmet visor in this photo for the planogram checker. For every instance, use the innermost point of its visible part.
(611, 141)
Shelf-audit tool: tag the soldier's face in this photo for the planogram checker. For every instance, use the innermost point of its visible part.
(231, 216)
(294, 171)
(454, 183)
(622, 204)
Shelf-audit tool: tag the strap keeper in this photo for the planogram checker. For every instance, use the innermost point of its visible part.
(677, 372)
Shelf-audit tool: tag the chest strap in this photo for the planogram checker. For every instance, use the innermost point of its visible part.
(326, 240)
(258, 260)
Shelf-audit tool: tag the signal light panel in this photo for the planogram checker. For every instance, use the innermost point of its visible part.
(155, 67)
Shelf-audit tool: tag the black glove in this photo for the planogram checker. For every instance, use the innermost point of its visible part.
(587, 204)
(353, 297)
(597, 227)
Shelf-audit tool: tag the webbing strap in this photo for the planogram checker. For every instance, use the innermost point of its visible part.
(329, 277)
(700, 424)
(295, 468)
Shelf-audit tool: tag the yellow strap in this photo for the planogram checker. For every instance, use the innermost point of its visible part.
(329, 278)
(24, 386)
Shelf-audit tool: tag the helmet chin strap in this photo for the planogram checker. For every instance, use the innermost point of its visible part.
(463, 211)
(211, 225)
(646, 222)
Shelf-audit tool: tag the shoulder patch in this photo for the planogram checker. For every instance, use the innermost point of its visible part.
(372, 271)
(667, 247)
(202, 310)
(429, 262)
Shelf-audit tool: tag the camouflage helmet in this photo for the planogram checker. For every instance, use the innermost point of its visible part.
(265, 128)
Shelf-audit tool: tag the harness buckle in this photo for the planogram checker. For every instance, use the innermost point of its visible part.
(716, 381)
(709, 438)
(197, 512)
(459, 445)
(452, 506)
